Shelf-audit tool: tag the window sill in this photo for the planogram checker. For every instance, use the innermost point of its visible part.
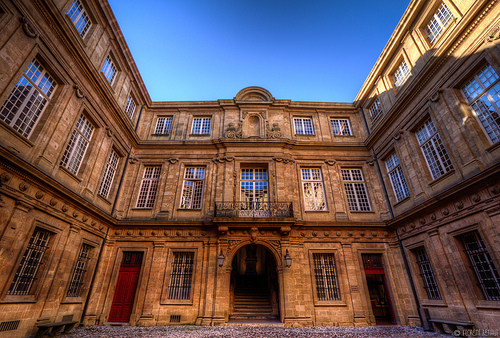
(188, 302)
(442, 177)
(325, 303)
(186, 209)
(160, 134)
(314, 211)
(136, 208)
(361, 212)
(493, 147)
(72, 300)
(343, 135)
(397, 204)
(14, 133)
(9, 299)
(434, 303)
(488, 304)
(198, 135)
(64, 169)
(104, 199)
(305, 135)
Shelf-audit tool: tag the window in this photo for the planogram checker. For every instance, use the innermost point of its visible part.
(482, 265)
(32, 259)
(77, 146)
(312, 186)
(181, 276)
(397, 178)
(28, 99)
(435, 154)
(75, 286)
(201, 126)
(483, 94)
(355, 189)
(192, 190)
(149, 185)
(130, 107)
(109, 174)
(109, 70)
(376, 110)
(401, 74)
(325, 274)
(427, 274)
(79, 17)
(254, 194)
(303, 126)
(163, 125)
(341, 127)
(441, 18)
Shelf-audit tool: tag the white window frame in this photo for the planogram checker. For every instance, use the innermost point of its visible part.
(149, 186)
(78, 144)
(438, 22)
(397, 177)
(130, 107)
(401, 74)
(109, 70)
(376, 110)
(433, 149)
(109, 174)
(163, 126)
(193, 188)
(313, 189)
(341, 127)
(79, 17)
(303, 126)
(355, 188)
(201, 126)
(20, 113)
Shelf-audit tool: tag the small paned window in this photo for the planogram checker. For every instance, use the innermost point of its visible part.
(78, 144)
(441, 18)
(149, 185)
(397, 178)
(130, 107)
(75, 286)
(325, 273)
(341, 127)
(427, 274)
(355, 189)
(163, 126)
(401, 74)
(312, 186)
(435, 154)
(254, 191)
(181, 277)
(28, 99)
(109, 70)
(109, 174)
(303, 126)
(201, 126)
(192, 189)
(376, 110)
(79, 17)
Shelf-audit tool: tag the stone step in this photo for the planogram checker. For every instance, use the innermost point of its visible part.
(253, 317)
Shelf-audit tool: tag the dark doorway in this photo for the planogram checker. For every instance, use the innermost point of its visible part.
(254, 286)
(377, 287)
(128, 277)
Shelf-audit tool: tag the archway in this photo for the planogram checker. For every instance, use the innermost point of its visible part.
(254, 285)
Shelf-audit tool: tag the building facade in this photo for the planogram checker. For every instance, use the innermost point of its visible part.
(116, 209)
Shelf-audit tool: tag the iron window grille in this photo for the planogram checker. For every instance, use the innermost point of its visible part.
(77, 146)
(163, 125)
(325, 274)
(75, 286)
(482, 265)
(149, 185)
(312, 186)
(109, 174)
(181, 276)
(341, 127)
(357, 197)
(130, 107)
(254, 192)
(109, 70)
(30, 263)
(427, 274)
(435, 154)
(201, 126)
(483, 94)
(192, 190)
(397, 178)
(440, 19)
(401, 74)
(303, 126)
(79, 17)
(376, 110)
(28, 99)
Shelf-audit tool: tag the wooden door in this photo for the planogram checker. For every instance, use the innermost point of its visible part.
(128, 277)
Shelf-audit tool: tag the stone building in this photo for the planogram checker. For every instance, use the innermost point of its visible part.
(116, 209)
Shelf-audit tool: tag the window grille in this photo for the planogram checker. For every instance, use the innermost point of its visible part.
(303, 126)
(9, 325)
(376, 110)
(79, 17)
(132, 258)
(397, 178)
(28, 99)
(181, 276)
(75, 285)
(201, 126)
(32, 258)
(483, 94)
(401, 74)
(149, 185)
(325, 273)
(372, 261)
(438, 22)
(192, 190)
(109, 174)
(341, 127)
(130, 107)
(482, 265)
(109, 70)
(427, 274)
(357, 198)
(312, 186)
(77, 146)
(163, 125)
(254, 192)
(435, 154)
(175, 318)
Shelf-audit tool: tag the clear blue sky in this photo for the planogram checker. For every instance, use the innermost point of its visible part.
(303, 50)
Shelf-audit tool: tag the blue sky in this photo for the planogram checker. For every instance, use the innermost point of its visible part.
(316, 50)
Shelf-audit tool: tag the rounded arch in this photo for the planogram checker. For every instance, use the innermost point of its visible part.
(273, 250)
(254, 93)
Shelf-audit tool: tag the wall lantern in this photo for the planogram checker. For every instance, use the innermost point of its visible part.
(288, 259)
(220, 259)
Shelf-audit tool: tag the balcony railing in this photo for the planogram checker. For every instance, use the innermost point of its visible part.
(253, 209)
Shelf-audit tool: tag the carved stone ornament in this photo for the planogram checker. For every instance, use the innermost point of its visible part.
(133, 160)
(422, 221)
(39, 194)
(339, 234)
(173, 160)
(371, 161)
(223, 159)
(141, 233)
(78, 92)
(330, 162)
(93, 223)
(129, 233)
(5, 177)
(23, 186)
(446, 211)
(253, 234)
(84, 218)
(284, 160)
(64, 208)
(153, 233)
(109, 132)
(374, 234)
(493, 36)
(412, 225)
(433, 217)
(476, 198)
(101, 227)
(397, 136)
(435, 97)
(274, 132)
(118, 232)
(459, 205)
(28, 29)
(76, 213)
(233, 132)
(53, 202)
(495, 190)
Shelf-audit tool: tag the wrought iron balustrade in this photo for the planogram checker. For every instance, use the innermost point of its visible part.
(253, 209)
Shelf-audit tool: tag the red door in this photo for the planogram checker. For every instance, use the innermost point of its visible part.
(128, 277)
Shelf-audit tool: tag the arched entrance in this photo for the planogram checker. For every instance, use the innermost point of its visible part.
(254, 286)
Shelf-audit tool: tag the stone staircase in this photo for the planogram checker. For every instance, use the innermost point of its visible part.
(252, 301)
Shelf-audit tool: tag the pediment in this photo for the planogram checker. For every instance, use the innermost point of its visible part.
(254, 94)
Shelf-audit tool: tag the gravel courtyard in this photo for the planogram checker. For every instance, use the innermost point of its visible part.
(248, 332)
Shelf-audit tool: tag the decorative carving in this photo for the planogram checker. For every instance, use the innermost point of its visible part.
(129, 233)
(403, 229)
(84, 218)
(233, 132)
(327, 234)
(253, 234)
(374, 234)
(284, 160)
(78, 92)
(303, 234)
(435, 97)
(64, 208)
(141, 233)
(476, 198)
(153, 233)
(5, 177)
(223, 159)
(203, 233)
(349, 233)
(101, 226)
(76, 213)
(433, 217)
(495, 190)
(494, 35)
(362, 233)
(459, 205)
(330, 162)
(109, 132)
(178, 233)
(274, 132)
(173, 160)
(371, 161)
(412, 225)
(93, 223)
(446, 211)
(23, 186)
(28, 29)
(190, 233)
(165, 232)
(339, 233)
(118, 232)
(39, 194)
(53, 202)
(133, 159)
(422, 220)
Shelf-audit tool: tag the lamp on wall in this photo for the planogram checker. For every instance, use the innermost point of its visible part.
(288, 259)
(220, 259)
